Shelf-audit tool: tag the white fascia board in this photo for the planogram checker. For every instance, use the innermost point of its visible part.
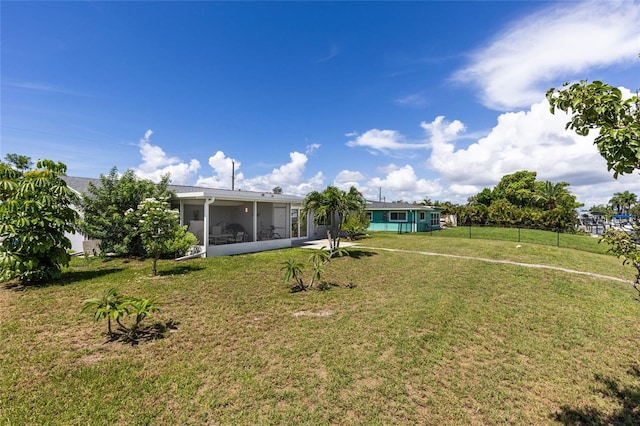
(195, 195)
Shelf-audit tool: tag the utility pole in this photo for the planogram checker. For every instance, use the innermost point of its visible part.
(233, 175)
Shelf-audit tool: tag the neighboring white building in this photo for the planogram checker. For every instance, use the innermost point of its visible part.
(229, 222)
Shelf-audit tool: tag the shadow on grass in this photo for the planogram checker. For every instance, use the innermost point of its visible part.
(359, 254)
(180, 270)
(136, 336)
(627, 398)
(68, 277)
(321, 286)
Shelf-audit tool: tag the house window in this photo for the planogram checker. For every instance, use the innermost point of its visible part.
(398, 216)
(423, 215)
(435, 219)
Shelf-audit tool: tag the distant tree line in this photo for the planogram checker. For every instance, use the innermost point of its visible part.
(518, 200)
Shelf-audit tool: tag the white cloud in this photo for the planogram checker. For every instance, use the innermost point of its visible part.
(156, 164)
(334, 50)
(310, 149)
(532, 140)
(383, 141)
(402, 184)
(224, 169)
(290, 173)
(386, 169)
(591, 195)
(348, 178)
(560, 41)
(414, 100)
(289, 176)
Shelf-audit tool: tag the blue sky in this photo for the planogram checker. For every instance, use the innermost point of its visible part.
(412, 100)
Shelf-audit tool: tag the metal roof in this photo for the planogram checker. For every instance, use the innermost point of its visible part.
(398, 206)
(80, 184)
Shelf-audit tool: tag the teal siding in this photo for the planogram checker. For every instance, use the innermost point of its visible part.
(381, 221)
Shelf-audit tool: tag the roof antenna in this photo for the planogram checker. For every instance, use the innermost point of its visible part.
(233, 175)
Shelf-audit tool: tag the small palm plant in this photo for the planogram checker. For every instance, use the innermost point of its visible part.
(113, 306)
(142, 309)
(293, 271)
(110, 306)
(318, 258)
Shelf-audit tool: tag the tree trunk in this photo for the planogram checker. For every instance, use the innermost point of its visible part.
(155, 262)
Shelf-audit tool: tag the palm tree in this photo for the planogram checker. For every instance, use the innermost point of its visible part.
(616, 202)
(331, 207)
(623, 201)
(551, 193)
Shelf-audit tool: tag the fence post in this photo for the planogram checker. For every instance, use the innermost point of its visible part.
(469, 231)
(558, 238)
(518, 234)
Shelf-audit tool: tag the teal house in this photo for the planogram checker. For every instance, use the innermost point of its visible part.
(402, 217)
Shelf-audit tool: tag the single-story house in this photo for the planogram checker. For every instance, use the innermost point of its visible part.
(230, 222)
(402, 217)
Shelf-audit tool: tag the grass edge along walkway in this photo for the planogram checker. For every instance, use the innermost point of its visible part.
(500, 261)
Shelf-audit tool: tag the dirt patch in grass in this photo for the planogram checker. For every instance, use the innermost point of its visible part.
(324, 313)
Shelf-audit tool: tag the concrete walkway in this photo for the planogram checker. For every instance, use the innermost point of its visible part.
(318, 244)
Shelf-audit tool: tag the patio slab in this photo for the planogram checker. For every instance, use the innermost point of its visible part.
(318, 244)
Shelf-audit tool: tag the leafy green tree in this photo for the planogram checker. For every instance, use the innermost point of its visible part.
(331, 207)
(484, 197)
(519, 200)
(473, 214)
(19, 162)
(531, 218)
(503, 213)
(448, 208)
(160, 231)
(518, 188)
(104, 207)
(627, 247)
(598, 105)
(35, 213)
(277, 190)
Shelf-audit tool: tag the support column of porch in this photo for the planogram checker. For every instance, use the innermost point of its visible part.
(205, 237)
(255, 221)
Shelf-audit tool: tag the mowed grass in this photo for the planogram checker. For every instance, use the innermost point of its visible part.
(403, 338)
(583, 242)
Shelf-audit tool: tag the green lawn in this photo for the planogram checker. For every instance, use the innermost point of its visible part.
(403, 338)
(583, 242)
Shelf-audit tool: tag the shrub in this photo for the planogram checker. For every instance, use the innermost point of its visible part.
(35, 213)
